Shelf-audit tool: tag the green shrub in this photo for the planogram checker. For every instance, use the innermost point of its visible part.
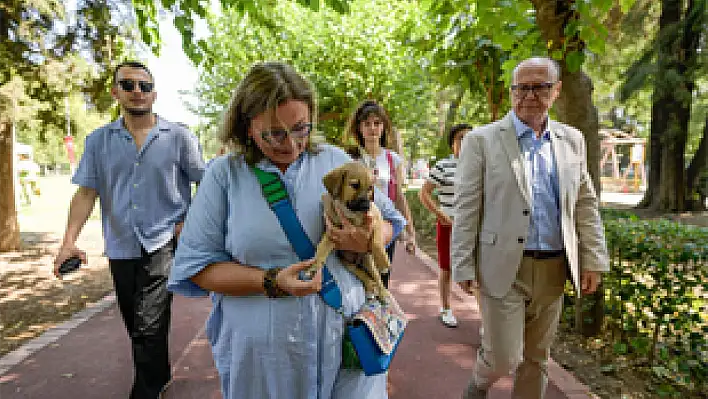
(656, 297)
(423, 219)
(656, 294)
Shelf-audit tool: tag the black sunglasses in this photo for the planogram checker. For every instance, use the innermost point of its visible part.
(129, 85)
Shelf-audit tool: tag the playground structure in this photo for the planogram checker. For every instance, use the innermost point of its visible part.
(622, 166)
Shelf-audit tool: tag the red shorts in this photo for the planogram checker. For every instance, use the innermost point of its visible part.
(442, 238)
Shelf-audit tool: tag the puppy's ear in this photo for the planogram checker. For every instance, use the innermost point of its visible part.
(333, 181)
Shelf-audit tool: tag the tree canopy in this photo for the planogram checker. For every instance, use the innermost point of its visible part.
(187, 11)
(431, 63)
(59, 61)
(348, 57)
(55, 65)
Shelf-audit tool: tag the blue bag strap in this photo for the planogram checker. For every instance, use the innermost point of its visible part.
(301, 243)
(277, 197)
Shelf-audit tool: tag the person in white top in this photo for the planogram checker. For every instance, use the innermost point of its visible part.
(28, 172)
(442, 179)
(371, 127)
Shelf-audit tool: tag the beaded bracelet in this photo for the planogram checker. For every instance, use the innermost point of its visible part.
(270, 285)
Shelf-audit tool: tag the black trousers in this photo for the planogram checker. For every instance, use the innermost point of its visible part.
(144, 302)
(387, 276)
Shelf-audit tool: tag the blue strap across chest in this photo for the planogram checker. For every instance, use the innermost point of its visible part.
(277, 197)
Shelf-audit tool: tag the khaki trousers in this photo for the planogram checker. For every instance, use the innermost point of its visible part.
(520, 327)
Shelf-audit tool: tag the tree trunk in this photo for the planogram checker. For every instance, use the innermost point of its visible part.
(698, 164)
(658, 125)
(574, 105)
(9, 228)
(495, 97)
(677, 64)
(672, 187)
(575, 108)
(691, 36)
(453, 108)
(495, 106)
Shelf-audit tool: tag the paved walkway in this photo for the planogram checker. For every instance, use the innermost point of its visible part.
(89, 356)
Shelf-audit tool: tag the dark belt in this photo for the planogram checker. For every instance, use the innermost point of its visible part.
(539, 254)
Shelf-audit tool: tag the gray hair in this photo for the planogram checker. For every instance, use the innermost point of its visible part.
(552, 65)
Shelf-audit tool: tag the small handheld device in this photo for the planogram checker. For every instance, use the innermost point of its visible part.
(70, 265)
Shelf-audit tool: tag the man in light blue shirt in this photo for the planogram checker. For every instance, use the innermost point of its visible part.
(542, 177)
(141, 167)
(526, 219)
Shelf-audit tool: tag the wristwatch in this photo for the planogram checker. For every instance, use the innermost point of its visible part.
(270, 285)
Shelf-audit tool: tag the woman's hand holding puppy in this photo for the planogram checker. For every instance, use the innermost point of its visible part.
(350, 237)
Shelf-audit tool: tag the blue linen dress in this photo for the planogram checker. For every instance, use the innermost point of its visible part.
(285, 348)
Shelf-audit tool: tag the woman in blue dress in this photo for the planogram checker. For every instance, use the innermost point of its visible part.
(272, 335)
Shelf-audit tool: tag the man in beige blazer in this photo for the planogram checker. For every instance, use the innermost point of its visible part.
(526, 214)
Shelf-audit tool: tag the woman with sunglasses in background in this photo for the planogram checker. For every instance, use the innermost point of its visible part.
(372, 130)
(272, 334)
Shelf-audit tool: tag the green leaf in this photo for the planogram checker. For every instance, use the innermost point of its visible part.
(620, 348)
(574, 60)
(167, 4)
(602, 5)
(626, 5)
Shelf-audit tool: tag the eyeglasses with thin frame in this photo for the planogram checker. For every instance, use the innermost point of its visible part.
(129, 85)
(537, 89)
(277, 136)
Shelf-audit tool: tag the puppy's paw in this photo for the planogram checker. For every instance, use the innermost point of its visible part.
(383, 295)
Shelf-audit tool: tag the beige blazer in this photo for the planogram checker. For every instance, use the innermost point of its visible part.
(493, 207)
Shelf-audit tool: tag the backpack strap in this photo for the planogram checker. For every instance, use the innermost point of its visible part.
(277, 197)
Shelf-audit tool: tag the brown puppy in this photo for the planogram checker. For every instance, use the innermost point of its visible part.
(350, 192)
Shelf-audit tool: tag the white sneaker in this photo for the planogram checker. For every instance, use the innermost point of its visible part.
(447, 318)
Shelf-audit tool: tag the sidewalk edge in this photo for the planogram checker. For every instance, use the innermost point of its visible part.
(12, 359)
(557, 375)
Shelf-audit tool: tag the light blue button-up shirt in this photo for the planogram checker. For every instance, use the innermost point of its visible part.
(273, 348)
(145, 192)
(542, 177)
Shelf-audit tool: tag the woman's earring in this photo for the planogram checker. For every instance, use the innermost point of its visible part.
(249, 142)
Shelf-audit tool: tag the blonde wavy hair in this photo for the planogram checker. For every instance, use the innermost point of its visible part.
(265, 86)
